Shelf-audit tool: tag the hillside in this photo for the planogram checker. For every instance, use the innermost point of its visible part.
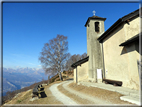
(8, 86)
(13, 86)
(26, 97)
(66, 92)
(15, 79)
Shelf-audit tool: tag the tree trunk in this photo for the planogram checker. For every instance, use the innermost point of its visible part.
(60, 76)
(48, 79)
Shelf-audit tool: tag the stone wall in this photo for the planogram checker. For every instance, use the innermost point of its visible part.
(121, 61)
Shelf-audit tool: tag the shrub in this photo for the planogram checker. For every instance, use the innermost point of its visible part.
(64, 76)
(64, 72)
(18, 101)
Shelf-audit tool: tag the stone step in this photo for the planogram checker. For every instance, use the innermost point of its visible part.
(135, 95)
(131, 99)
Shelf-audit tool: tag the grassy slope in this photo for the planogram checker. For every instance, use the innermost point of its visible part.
(25, 96)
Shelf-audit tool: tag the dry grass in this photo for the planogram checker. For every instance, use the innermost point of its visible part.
(24, 97)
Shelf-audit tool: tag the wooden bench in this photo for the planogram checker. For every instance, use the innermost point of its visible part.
(37, 90)
(113, 82)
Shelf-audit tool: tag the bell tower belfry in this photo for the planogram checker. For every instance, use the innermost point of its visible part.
(95, 28)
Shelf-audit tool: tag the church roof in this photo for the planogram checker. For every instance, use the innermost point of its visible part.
(124, 19)
(94, 18)
(74, 65)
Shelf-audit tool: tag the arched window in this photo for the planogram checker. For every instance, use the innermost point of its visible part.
(97, 29)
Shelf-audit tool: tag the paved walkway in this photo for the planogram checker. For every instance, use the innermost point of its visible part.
(130, 95)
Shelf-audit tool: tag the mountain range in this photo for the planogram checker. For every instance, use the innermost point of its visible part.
(14, 79)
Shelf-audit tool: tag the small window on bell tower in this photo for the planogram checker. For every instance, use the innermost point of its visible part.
(88, 25)
(97, 29)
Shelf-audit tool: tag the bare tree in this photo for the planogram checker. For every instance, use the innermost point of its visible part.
(74, 58)
(68, 65)
(54, 55)
(83, 55)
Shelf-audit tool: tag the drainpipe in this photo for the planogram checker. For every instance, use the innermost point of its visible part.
(76, 75)
(103, 63)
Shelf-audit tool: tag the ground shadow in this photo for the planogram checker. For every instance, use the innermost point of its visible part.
(69, 79)
(43, 95)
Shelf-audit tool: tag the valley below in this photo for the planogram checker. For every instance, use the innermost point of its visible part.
(15, 79)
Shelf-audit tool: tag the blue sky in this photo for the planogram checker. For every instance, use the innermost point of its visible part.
(27, 26)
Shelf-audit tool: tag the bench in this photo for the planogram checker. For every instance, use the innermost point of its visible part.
(114, 82)
(37, 90)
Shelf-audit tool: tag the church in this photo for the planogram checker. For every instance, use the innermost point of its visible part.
(113, 56)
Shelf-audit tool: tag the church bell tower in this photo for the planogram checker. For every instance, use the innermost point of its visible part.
(95, 28)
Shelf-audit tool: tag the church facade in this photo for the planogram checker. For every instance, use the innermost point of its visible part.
(113, 55)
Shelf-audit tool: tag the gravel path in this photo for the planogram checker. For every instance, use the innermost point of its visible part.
(84, 96)
(66, 100)
(61, 97)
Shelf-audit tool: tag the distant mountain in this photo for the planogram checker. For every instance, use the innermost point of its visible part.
(14, 79)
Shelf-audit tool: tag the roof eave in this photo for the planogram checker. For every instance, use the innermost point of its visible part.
(86, 22)
(74, 65)
(93, 19)
(117, 23)
(131, 40)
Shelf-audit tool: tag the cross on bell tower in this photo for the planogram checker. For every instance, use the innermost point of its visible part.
(94, 12)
